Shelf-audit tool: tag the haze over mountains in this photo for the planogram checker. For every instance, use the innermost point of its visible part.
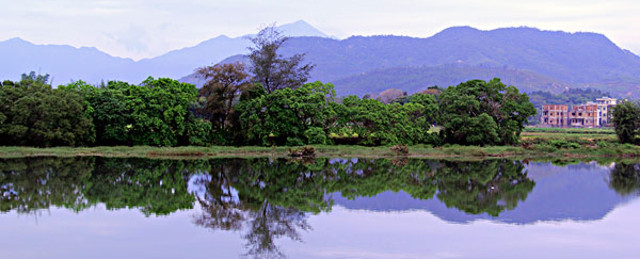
(65, 63)
(528, 58)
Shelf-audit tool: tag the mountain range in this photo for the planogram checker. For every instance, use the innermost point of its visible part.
(529, 58)
(65, 63)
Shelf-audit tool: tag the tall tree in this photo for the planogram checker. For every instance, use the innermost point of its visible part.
(272, 69)
(626, 121)
(225, 84)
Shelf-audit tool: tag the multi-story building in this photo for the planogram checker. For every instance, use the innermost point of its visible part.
(555, 115)
(598, 114)
(604, 107)
(585, 115)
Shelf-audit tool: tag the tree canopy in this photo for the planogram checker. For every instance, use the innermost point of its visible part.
(271, 69)
(626, 121)
(483, 113)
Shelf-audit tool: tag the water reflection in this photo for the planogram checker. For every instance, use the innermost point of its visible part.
(265, 199)
(625, 178)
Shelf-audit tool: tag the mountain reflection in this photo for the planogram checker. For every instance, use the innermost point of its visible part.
(266, 199)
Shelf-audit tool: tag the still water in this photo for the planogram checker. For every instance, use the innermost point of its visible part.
(325, 208)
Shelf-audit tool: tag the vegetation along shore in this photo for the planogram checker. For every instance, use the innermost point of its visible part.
(265, 108)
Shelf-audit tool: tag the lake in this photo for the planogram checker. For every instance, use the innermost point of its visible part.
(92, 207)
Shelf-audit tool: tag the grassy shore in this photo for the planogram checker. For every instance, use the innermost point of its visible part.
(536, 143)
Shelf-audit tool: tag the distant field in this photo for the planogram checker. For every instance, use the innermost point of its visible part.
(571, 130)
(575, 135)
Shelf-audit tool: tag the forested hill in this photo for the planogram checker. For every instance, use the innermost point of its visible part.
(535, 59)
(66, 63)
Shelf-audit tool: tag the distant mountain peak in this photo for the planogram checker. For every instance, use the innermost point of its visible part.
(16, 40)
(300, 28)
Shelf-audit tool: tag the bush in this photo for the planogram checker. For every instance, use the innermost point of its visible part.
(294, 141)
(315, 135)
(305, 151)
(559, 143)
(199, 133)
(400, 149)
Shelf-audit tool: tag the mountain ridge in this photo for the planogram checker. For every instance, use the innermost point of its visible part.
(173, 64)
(544, 60)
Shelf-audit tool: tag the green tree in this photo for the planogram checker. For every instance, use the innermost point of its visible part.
(111, 114)
(34, 114)
(271, 69)
(283, 117)
(483, 113)
(626, 121)
(371, 122)
(156, 113)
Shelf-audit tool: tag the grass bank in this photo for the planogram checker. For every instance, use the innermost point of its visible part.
(535, 151)
(536, 143)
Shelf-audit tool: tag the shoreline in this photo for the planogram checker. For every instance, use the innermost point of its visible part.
(611, 152)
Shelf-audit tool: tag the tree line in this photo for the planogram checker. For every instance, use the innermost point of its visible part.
(265, 103)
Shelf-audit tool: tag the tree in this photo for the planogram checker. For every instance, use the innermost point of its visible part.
(284, 116)
(626, 121)
(483, 113)
(32, 113)
(156, 113)
(270, 68)
(225, 84)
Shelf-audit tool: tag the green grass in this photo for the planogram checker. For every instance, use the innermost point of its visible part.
(536, 143)
(571, 130)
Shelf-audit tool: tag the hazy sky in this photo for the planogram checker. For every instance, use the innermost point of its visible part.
(147, 28)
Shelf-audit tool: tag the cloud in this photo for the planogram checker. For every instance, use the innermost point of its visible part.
(134, 39)
(139, 28)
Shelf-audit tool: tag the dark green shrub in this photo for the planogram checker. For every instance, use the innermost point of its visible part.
(315, 135)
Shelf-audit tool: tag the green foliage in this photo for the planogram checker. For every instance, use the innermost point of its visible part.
(483, 113)
(572, 96)
(283, 117)
(165, 112)
(371, 122)
(155, 113)
(563, 144)
(315, 136)
(34, 114)
(626, 121)
(199, 133)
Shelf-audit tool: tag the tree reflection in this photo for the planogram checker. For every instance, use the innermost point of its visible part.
(272, 222)
(265, 199)
(268, 198)
(489, 186)
(625, 178)
(154, 186)
(29, 185)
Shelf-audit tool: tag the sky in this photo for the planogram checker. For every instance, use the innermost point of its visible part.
(147, 28)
